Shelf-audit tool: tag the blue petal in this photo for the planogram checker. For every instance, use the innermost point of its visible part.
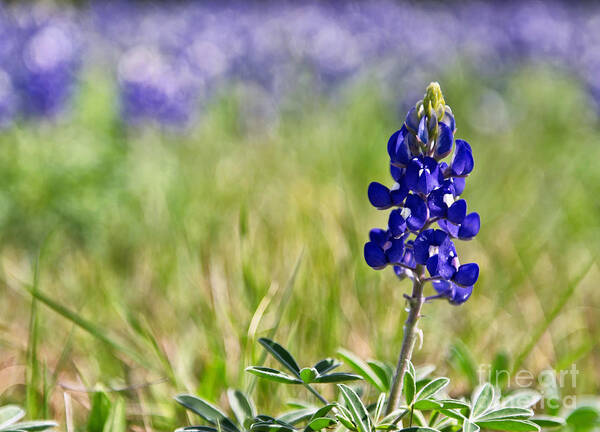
(438, 237)
(412, 174)
(449, 121)
(449, 227)
(421, 246)
(413, 144)
(455, 294)
(378, 236)
(397, 173)
(401, 272)
(379, 196)
(418, 212)
(457, 211)
(412, 119)
(460, 295)
(422, 133)
(443, 288)
(436, 204)
(396, 223)
(399, 193)
(459, 185)
(391, 145)
(444, 144)
(469, 227)
(446, 270)
(374, 256)
(432, 265)
(467, 274)
(398, 148)
(462, 163)
(395, 252)
(409, 256)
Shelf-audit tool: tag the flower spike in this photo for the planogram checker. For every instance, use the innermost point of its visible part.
(427, 190)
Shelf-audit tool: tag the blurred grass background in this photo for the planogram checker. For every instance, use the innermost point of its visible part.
(178, 246)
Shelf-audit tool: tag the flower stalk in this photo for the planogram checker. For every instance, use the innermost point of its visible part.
(415, 302)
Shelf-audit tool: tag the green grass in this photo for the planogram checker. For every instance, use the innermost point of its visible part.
(165, 256)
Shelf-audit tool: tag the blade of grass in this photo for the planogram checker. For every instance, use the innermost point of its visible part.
(539, 332)
(33, 372)
(285, 298)
(89, 327)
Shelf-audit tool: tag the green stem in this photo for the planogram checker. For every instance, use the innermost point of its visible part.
(408, 342)
(317, 394)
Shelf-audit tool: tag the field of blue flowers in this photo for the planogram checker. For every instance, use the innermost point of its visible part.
(178, 180)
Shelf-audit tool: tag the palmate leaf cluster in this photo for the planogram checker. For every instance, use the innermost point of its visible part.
(426, 405)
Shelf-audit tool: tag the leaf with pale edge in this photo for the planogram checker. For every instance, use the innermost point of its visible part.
(359, 414)
(282, 355)
(482, 400)
(512, 425)
(207, 411)
(273, 375)
(432, 388)
(337, 377)
(362, 368)
(241, 405)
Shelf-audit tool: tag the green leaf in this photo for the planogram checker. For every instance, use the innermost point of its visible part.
(346, 422)
(432, 388)
(515, 413)
(207, 411)
(550, 391)
(548, 421)
(359, 414)
(379, 407)
(509, 425)
(38, 425)
(482, 400)
(272, 375)
(326, 365)
(583, 417)
(427, 404)
(383, 371)
(308, 375)
(241, 405)
(337, 377)
(454, 404)
(410, 386)
(10, 414)
(296, 416)
(271, 427)
(469, 426)
(323, 411)
(282, 355)
(116, 421)
(362, 369)
(197, 429)
(522, 399)
(321, 423)
(452, 414)
(396, 415)
(99, 412)
(419, 429)
(386, 426)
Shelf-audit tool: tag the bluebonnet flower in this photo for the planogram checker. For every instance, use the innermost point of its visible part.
(426, 191)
